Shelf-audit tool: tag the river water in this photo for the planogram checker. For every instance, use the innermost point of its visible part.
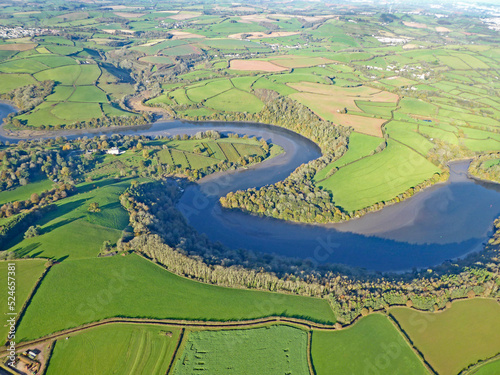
(443, 222)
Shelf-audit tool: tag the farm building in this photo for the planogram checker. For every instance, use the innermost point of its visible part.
(114, 151)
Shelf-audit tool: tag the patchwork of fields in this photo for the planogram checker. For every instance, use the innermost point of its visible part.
(415, 89)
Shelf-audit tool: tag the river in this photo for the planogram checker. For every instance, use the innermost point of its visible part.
(443, 222)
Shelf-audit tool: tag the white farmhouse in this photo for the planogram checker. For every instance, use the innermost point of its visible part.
(114, 151)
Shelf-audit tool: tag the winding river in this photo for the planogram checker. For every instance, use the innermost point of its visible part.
(443, 222)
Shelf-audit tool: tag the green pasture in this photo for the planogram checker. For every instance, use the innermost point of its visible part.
(204, 91)
(71, 231)
(360, 145)
(235, 100)
(24, 192)
(273, 349)
(378, 178)
(9, 82)
(27, 273)
(371, 346)
(134, 287)
(88, 94)
(115, 349)
(72, 112)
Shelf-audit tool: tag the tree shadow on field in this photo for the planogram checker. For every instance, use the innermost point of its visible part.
(59, 224)
(24, 251)
(61, 210)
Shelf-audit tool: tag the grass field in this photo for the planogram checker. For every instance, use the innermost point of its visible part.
(77, 111)
(372, 346)
(71, 231)
(134, 287)
(208, 90)
(269, 350)
(235, 100)
(457, 337)
(492, 368)
(360, 145)
(13, 81)
(65, 75)
(88, 94)
(379, 177)
(24, 192)
(27, 273)
(60, 93)
(116, 349)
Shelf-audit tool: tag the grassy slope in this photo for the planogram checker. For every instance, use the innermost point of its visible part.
(457, 337)
(360, 145)
(378, 178)
(372, 346)
(73, 231)
(268, 350)
(24, 192)
(115, 349)
(134, 287)
(26, 274)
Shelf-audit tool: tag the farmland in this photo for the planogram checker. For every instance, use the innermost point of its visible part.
(131, 286)
(27, 273)
(275, 349)
(379, 177)
(372, 346)
(439, 336)
(390, 95)
(108, 349)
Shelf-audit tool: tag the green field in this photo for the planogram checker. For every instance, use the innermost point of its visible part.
(492, 368)
(269, 350)
(88, 94)
(72, 112)
(372, 346)
(71, 231)
(27, 273)
(115, 349)
(453, 339)
(379, 177)
(24, 192)
(236, 101)
(134, 287)
(360, 145)
(10, 82)
(208, 90)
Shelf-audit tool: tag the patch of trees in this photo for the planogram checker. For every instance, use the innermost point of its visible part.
(61, 191)
(28, 97)
(20, 223)
(479, 167)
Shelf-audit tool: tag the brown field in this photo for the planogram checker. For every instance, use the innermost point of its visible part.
(17, 46)
(346, 94)
(259, 35)
(74, 16)
(307, 18)
(255, 65)
(410, 46)
(27, 13)
(121, 7)
(300, 61)
(129, 14)
(181, 16)
(254, 18)
(152, 42)
(327, 101)
(184, 35)
(441, 29)
(415, 24)
(326, 107)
